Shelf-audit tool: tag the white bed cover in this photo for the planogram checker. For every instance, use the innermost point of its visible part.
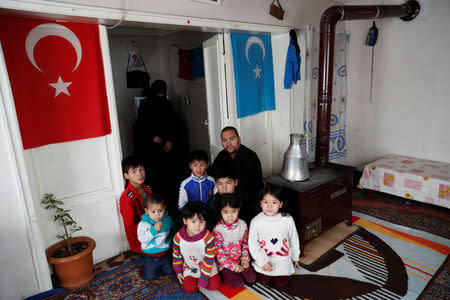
(418, 179)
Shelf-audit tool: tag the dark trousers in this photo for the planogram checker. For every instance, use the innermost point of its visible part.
(154, 267)
(236, 280)
(276, 280)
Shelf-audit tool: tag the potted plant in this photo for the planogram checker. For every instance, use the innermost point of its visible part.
(71, 257)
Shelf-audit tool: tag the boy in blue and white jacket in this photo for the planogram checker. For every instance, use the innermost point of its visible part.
(199, 186)
(155, 232)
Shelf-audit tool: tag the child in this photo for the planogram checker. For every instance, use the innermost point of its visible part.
(155, 232)
(131, 200)
(194, 251)
(273, 239)
(199, 186)
(231, 237)
(226, 183)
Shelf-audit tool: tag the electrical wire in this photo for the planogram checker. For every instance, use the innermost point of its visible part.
(121, 16)
(371, 76)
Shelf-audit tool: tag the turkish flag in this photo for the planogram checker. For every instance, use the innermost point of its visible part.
(57, 79)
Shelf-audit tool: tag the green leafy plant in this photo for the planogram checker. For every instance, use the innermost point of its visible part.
(63, 217)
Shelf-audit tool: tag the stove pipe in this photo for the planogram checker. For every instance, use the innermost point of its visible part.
(330, 17)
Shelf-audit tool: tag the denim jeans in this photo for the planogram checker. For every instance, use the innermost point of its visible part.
(154, 267)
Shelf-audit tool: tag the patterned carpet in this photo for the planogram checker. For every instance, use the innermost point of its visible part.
(122, 282)
(380, 261)
(417, 215)
(111, 273)
(401, 211)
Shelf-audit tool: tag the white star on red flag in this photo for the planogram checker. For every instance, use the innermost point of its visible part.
(60, 86)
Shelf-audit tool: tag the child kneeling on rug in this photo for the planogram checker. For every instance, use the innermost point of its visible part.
(194, 251)
(231, 236)
(155, 232)
(132, 199)
(273, 239)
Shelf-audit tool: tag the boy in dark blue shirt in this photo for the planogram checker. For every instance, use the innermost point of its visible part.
(199, 186)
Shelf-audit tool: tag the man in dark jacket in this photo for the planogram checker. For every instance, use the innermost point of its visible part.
(243, 162)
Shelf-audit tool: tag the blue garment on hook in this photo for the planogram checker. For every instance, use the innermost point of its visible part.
(292, 71)
(372, 36)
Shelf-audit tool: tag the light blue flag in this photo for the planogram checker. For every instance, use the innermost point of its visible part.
(253, 73)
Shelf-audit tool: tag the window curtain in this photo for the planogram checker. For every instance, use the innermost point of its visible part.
(338, 143)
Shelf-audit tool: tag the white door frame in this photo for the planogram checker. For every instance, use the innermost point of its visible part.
(75, 12)
(35, 239)
(217, 93)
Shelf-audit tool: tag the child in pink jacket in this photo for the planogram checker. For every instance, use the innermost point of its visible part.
(231, 236)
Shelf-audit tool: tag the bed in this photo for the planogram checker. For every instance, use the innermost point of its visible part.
(412, 178)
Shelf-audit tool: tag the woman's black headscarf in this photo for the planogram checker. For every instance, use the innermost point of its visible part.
(158, 87)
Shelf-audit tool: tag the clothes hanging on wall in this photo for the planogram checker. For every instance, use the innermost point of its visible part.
(190, 63)
(371, 40)
(372, 35)
(137, 74)
(293, 61)
(184, 64)
(198, 69)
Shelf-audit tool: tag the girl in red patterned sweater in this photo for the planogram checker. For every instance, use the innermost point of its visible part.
(194, 250)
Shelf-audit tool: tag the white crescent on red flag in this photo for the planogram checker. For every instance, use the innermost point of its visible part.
(57, 79)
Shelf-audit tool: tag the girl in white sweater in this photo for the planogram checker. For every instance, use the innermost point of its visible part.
(273, 239)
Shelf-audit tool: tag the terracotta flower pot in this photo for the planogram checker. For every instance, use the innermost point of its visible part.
(73, 271)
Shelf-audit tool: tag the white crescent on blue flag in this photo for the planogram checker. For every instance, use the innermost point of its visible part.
(253, 73)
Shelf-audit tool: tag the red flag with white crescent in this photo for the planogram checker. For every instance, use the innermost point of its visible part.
(56, 74)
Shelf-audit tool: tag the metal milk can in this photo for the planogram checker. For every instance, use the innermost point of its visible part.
(295, 163)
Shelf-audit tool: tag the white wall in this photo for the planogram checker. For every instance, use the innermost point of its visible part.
(298, 13)
(288, 117)
(281, 117)
(160, 54)
(410, 109)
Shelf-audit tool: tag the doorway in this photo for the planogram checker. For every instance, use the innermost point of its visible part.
(159, 49)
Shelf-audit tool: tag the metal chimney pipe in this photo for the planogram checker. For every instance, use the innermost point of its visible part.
(330, 17)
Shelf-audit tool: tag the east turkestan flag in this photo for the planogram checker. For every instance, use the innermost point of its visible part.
(253, 73)
(57, 79)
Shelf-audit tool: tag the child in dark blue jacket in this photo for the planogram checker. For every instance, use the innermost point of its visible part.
(199, 186)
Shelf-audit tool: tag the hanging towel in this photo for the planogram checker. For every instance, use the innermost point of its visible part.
(185, 64)
(197, 63)
(293, 61)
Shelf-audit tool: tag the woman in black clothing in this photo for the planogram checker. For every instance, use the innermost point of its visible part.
(155, 140)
